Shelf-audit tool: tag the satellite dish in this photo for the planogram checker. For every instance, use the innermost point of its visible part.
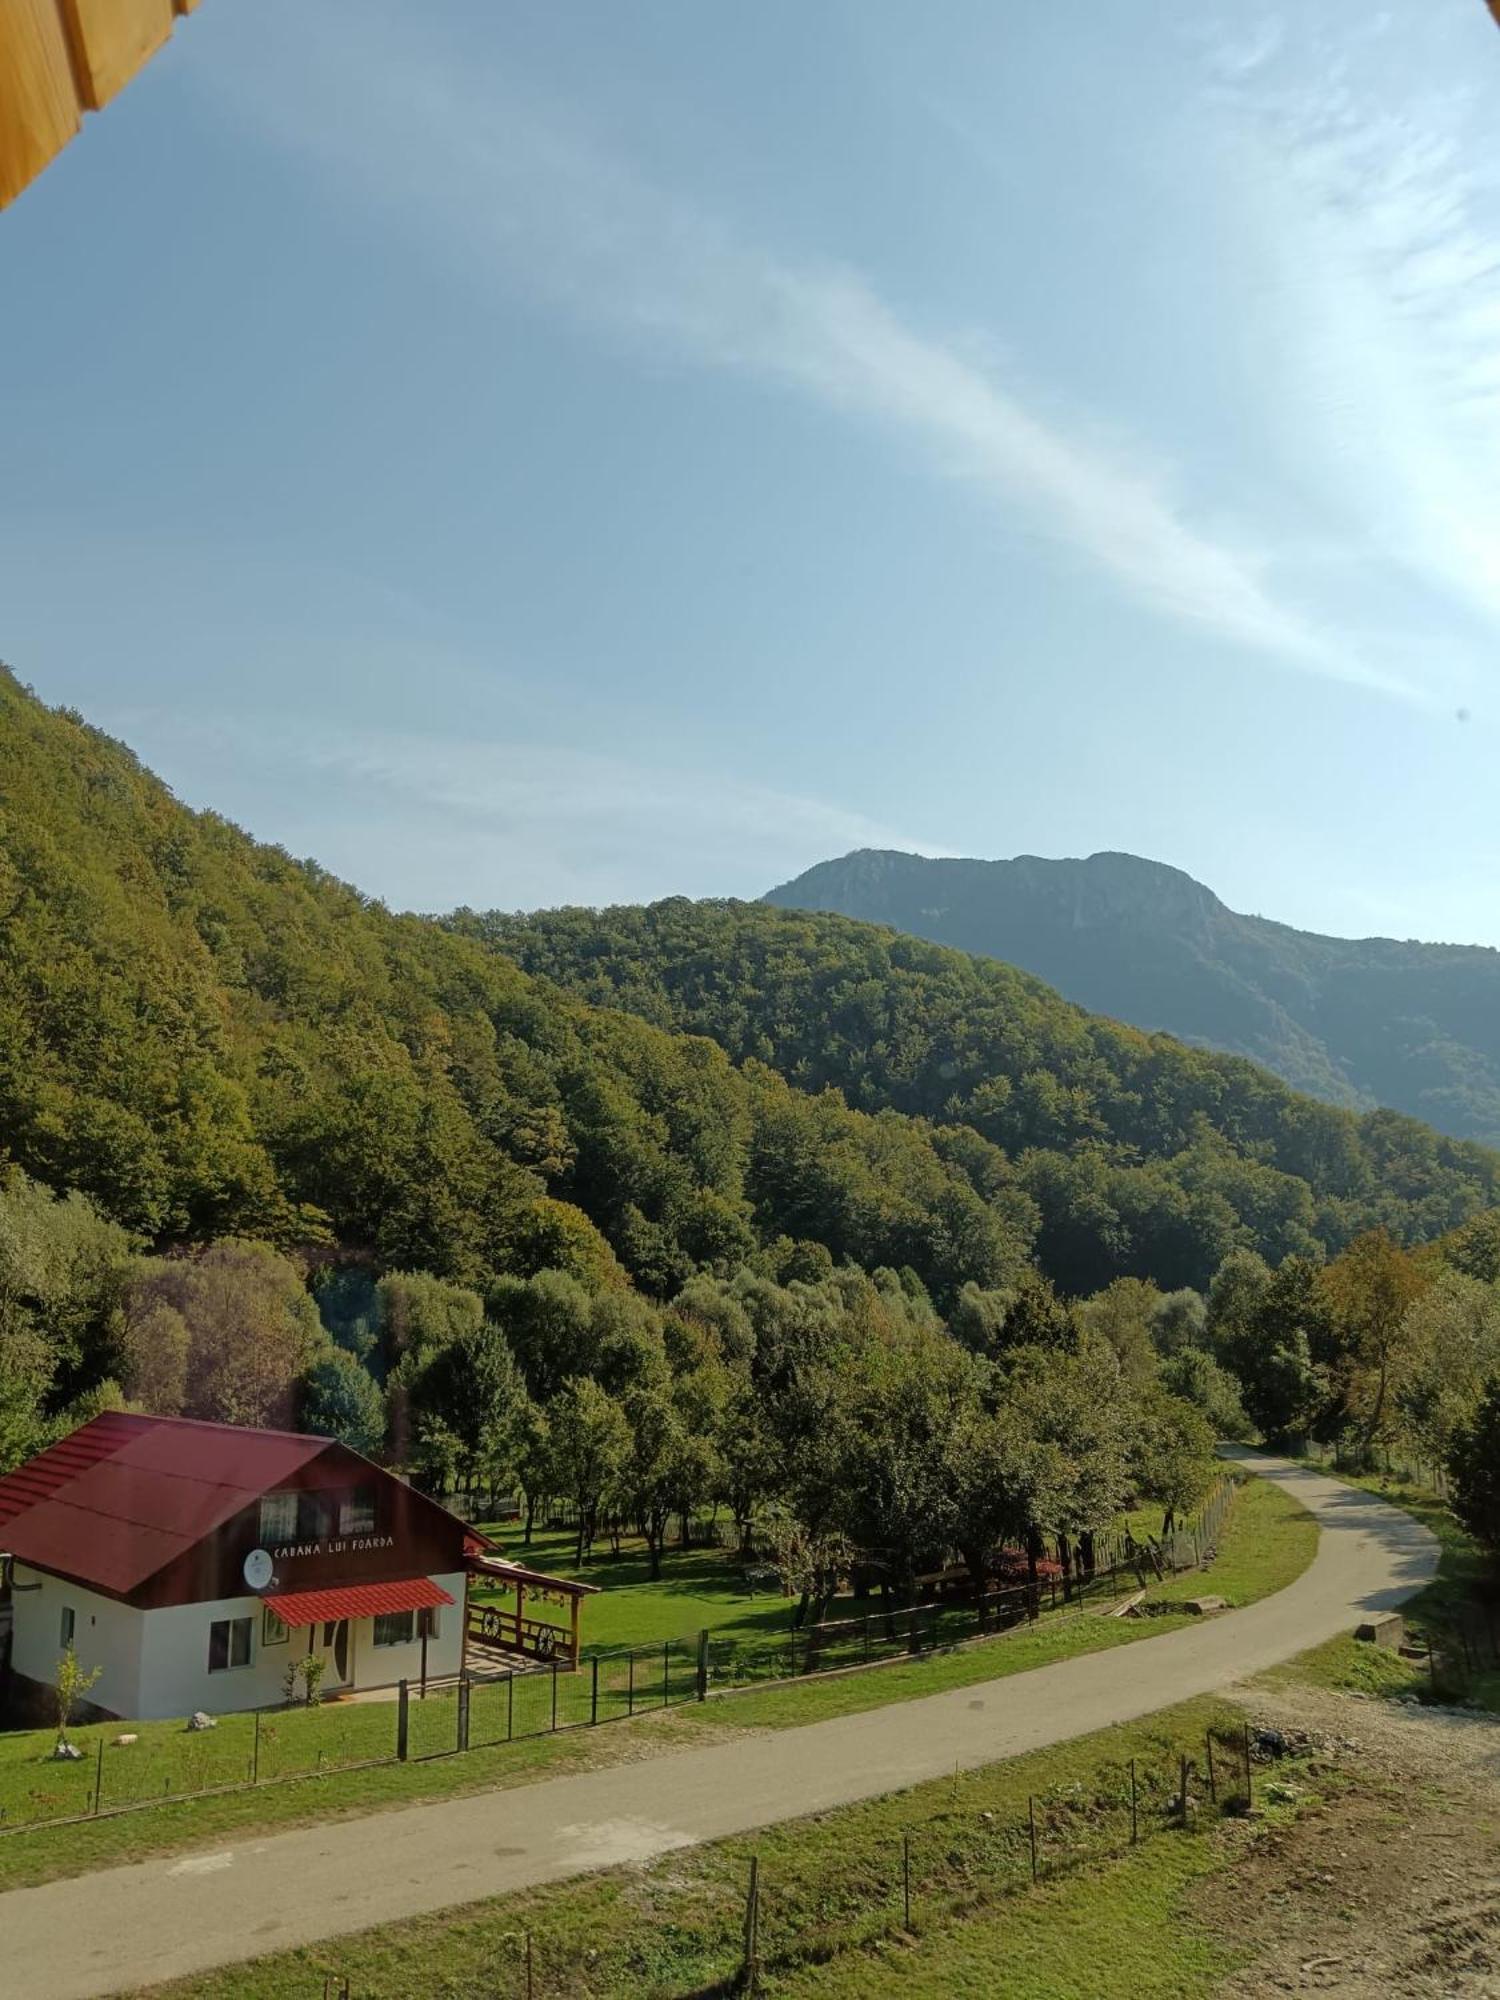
(258, 1569)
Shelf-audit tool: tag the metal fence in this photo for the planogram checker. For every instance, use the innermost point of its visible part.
(126, 1769)
(946, 1869)
(1118, 1568)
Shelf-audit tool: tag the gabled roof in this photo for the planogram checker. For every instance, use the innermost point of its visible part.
(112, 1504)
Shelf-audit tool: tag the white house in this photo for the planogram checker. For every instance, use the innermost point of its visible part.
(192, 1562)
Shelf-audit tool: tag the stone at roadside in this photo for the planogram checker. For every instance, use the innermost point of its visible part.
(119, 1742)
(1387, 1631)
(199, 1720)
(1202, 1606)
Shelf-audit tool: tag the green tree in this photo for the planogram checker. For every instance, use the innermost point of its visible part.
(252, 1326)
(1171, 1453)
(1474, 1472)
(339, 1398)
(590, 1441)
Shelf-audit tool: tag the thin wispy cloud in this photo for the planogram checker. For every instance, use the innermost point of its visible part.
(1377, 207)
(532, 201)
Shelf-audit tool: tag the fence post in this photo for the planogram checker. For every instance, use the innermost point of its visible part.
(1134, 1823)
(666, 1668)
(255, 1753)
(703, 1663)
(906, 1875)
(1249, 1780)
(530, 1970)
(554, 1692)
(510, 1704)
(1213, 1789)
(1031, 1825)
(594, 1691)
(751, 1980)
(403, 1721)
(630, 1684)
(1182, 1789)
(99, 1776)
(867, 1638)
(463, 1712)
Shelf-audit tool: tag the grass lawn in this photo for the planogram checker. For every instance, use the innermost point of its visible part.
(1267, 1541)
(1359, 1668)
(1106, 1917)
(698, 1588)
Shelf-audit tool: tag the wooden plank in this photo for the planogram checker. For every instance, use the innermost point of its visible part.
(38, 104)
(110, 40)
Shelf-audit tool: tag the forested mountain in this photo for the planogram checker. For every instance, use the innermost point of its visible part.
(650, 1208)
(1360, 1022)
(209, 1038)
(1142, 1156)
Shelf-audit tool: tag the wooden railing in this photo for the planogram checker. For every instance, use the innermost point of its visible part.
(493, 1625)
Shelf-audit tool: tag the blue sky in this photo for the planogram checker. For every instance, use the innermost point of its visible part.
(527, 455)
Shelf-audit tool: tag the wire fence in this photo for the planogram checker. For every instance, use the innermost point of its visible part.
(127, 1768)
(952, 1865)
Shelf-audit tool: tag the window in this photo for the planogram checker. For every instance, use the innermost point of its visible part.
(278, 1519)
(228, 1644)
(69, 1620)
(272, 1631)
(357, 1512)
(393, 1628)
(427, 1622)
(314, 1516)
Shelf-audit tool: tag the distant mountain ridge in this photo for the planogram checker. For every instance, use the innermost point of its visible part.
(1358, 1022)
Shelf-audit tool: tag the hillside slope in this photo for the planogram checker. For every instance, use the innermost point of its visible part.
(211, 1038)
(1359, 1022)
(1143, 1155)
(208, 1038)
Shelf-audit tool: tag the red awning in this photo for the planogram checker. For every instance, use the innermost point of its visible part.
(356, 1600)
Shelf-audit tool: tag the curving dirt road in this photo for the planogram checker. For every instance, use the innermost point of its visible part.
(130, 1927)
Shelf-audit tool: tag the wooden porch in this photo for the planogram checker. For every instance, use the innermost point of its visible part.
(510, 1635)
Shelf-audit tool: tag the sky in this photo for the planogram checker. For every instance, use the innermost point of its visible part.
(535, 455)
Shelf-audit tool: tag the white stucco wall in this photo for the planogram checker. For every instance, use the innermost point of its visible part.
(156, 1662)
(105, 1634)
(377, 1666)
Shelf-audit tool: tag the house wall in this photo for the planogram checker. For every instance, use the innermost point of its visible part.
(106, 1634)
(156, 1662)
(378, 1666)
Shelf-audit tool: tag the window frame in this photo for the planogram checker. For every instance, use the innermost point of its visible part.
(286, 1500)
(272, 1631)
(362, 1498)
(230, 1626)
(67, 1626)
(386, 1618)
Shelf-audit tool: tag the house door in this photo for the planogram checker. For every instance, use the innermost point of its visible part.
(335, 1653)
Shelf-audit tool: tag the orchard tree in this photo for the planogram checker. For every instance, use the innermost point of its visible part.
(1171, 1453)
(590, 1442)
(1474, 1472)
(1370, 1290)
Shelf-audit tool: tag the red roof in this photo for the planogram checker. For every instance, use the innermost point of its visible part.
(125, 1495)
(356, 1600)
